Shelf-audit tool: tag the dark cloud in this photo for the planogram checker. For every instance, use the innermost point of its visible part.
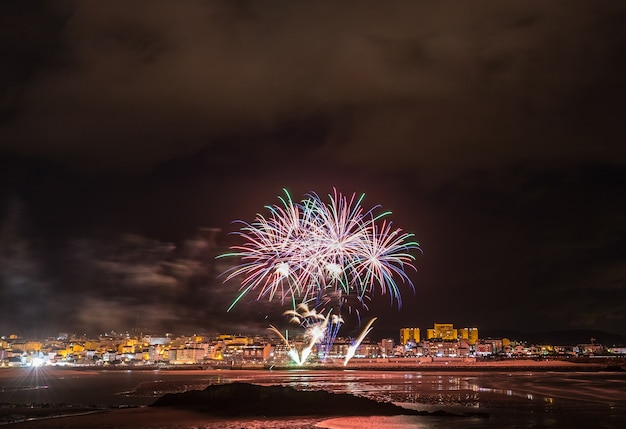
(22, 273)
(449, 85)
(492, 130)
(120, 283)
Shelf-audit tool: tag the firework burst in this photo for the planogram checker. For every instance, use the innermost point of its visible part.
(332, 253)
(335, 255)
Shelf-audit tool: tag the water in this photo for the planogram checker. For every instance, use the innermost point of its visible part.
(512, 399)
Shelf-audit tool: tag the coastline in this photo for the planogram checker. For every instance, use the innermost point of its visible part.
(432, 364)
(440, 395)
(449, 364)
(443, 364)
(147, 417)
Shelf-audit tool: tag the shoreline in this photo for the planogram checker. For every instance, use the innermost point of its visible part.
(147, 417)
(63, 415)
(10, 415)
(611, 364)
(443, 364)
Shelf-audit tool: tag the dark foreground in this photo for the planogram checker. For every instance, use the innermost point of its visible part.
(122, 399)
(219, 405)
(245, 399)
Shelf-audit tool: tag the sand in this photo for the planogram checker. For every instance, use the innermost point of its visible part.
(153, 418)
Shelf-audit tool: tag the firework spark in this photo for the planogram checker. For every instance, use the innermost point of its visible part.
(356, 343)
(317, 327)
(334, 254)
(316, 251)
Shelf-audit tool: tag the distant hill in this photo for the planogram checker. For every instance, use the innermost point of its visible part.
(567, 337)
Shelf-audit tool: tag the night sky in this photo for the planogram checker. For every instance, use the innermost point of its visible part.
(131, 130)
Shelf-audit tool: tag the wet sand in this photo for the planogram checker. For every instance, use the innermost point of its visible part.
(153, 418)
(506, 385)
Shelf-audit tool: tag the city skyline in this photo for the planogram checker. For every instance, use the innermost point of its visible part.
(397, 333)
(132, 135)
(440, 344)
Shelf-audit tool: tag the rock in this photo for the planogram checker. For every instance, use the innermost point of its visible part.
(244, 399)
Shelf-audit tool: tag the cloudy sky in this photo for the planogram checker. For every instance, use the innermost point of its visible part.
(132, 133)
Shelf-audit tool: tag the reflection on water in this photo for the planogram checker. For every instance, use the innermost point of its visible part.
(400, 422)
(542, 399)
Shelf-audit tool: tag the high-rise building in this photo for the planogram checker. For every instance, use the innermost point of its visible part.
(469, 334)
(443, 331)
(409, 335)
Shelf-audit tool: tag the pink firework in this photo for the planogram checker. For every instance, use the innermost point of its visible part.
(325, 252)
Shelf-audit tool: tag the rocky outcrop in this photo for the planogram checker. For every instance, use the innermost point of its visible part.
(244, 399)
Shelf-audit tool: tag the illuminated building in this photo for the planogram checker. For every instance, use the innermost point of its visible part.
(279, 353)
(447, 332)
(256, 353)
(92, 345)
(155, 353)
(440, 348)
(443, 331)
(235, 340)
(409, 335)
(386, 346)
(367, 350)
(483, 349)
(590, 349)
(182, 356)
(126, 349)
(153, 340)
(18, 346)
(77, 348)
(338, 349)
(469, 334)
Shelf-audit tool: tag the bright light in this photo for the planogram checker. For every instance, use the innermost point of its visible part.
(334, 270)
(37, 362)
(332, 254)
(282, 269)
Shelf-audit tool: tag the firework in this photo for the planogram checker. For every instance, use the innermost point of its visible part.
(335, 255)
(356, 343)
(332, 253)
(318, 328)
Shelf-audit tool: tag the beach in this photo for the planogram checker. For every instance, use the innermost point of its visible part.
(553, 395)
(152, 418)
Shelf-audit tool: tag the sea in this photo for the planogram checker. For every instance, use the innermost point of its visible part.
(510, 399)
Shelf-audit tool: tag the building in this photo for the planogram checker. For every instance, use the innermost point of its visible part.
(447, 332)
(494, 345)
(256, 353)
(441, 348)
(443, 331)
(484, 348)
(590, 349)
(367, 350)
(469, 334)
(386, 346)
(409, 335)
(617, 350)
